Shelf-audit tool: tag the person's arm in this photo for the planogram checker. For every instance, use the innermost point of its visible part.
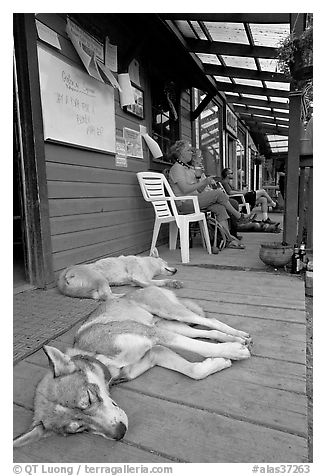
(229, 190)
(186, 188)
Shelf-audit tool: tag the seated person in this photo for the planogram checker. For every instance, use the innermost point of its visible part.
(183, 181)
(258, 197)
(197, 162)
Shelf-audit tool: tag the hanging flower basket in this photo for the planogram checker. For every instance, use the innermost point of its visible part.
(295, 55)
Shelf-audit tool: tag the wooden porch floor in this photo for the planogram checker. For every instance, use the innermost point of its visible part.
(256, 411)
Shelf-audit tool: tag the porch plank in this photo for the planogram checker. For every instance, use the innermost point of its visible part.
(187, 428)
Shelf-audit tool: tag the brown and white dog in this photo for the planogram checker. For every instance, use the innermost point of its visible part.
(93, 280)
(122, 339)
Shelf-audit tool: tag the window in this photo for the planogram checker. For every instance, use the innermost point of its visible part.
(208, 135)
(165, 116)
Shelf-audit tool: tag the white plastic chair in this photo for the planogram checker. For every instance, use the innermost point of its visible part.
(242, 202)
(157, 190)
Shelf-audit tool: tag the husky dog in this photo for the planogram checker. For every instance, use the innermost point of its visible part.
(93, 280)
(122, 339)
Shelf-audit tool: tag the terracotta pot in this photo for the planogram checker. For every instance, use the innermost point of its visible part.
(275, 254)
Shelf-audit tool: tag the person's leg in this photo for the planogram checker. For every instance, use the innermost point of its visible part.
(210, 197)
(233, 220)
(262, 201)
(262, 193)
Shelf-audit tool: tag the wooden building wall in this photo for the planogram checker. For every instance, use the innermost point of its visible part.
(96, 209)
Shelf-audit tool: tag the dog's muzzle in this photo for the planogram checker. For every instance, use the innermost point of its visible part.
(120, 431)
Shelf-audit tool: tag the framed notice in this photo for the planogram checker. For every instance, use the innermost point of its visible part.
(77, 109)
(231, 121)
(136, 109)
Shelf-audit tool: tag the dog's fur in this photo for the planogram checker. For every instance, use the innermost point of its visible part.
(122, 339)
(259, 227)
(93, 280)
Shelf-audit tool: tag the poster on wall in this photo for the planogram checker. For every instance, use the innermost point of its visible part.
(77, 109)
(133, 140)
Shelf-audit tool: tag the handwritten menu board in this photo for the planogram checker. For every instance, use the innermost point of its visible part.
(77, 109)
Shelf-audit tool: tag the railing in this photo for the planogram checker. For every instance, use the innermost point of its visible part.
(305, 225)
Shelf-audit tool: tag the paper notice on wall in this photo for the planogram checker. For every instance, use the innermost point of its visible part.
(86, 54)
(153, 146)
(133, 71)
(111, 56)
(121, 152)
(127, 93)
(89, 43)
(133, 140)
(108, 75)
(46, 34)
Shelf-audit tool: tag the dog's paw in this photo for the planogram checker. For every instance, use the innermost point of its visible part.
(238, 351)
(249, 343)
(176, 284)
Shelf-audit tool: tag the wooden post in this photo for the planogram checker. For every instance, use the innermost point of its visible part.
(292, 170)
(294, 145)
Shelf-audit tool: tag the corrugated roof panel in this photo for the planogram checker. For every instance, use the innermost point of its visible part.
(268, 64)
(223, 79)
(279, 110)
(208, 58)
(198, 30)
(239, 62)
(254, 96)
(269, 35)
(278, 99)
(227, 32)
(248, 82)
(276, 85)
(185, 29)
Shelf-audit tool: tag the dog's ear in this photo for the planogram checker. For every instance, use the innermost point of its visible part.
(35, 434)
(60, 363)
(154, 253)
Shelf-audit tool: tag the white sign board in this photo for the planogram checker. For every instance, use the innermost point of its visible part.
(77, 109)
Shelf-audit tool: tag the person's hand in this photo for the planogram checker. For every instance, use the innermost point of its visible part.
(210, 181)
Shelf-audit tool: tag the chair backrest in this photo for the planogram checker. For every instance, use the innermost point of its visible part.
(156, 189)
(221, 186)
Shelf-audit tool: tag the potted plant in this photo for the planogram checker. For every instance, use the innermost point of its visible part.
(295, 55)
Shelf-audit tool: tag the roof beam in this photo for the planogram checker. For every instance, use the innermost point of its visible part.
(244, 89)
(256, 102)
(207, 99)
(232, 49)
(269, 129)
(170, 26)
(260, 112)
(231, 17)
(244, 73)
(257, 119)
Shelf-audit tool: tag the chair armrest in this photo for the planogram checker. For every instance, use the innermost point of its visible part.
(194, 198)
(240, 195)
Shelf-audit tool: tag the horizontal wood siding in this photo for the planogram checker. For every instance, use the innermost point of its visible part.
(96, 208)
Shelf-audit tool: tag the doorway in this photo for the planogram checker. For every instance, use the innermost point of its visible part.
(20, 262)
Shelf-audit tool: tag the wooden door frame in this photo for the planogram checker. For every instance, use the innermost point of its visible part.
(36, 212)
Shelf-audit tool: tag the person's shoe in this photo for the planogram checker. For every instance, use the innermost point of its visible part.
(268, 221)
